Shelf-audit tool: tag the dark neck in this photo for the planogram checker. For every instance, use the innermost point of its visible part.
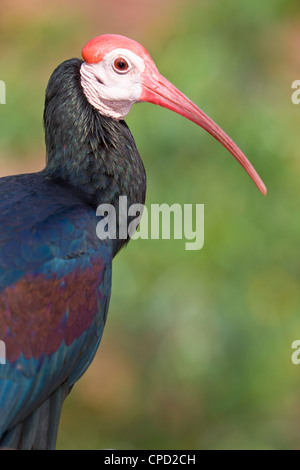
(93, 153)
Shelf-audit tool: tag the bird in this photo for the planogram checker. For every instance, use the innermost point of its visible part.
(55, 272)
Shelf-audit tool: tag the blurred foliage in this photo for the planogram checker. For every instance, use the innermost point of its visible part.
(197, 347)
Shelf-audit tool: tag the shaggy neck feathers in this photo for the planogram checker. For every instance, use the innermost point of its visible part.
(93, 153)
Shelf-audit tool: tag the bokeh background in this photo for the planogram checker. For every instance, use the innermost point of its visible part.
(197, 348)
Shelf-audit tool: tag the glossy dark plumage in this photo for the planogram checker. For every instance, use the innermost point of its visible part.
(55, 274)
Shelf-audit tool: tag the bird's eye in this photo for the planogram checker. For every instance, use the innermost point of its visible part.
(121, 65)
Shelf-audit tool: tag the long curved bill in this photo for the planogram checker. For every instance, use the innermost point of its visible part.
(158, 90)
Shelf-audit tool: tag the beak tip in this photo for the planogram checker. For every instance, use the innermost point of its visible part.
(263, 189)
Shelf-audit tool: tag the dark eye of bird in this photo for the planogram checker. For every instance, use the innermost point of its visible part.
(121, 64)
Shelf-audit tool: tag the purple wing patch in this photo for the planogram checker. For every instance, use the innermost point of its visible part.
(38, 314)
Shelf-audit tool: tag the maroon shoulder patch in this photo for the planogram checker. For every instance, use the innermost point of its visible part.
(38, 314)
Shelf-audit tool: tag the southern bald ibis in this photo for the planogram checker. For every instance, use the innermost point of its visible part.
(55, 274)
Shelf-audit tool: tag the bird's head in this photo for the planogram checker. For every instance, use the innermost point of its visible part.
(118, 72)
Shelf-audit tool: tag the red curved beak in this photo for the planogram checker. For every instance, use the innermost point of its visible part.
(158, 90)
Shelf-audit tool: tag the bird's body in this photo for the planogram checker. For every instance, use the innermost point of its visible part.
(50, 326)
(55, 273)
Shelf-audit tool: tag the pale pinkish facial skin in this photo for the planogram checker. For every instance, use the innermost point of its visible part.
(113, 91)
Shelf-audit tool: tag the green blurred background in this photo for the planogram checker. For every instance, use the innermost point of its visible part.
(197, 347)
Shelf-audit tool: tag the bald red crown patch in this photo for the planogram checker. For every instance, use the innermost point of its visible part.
(96, 49)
